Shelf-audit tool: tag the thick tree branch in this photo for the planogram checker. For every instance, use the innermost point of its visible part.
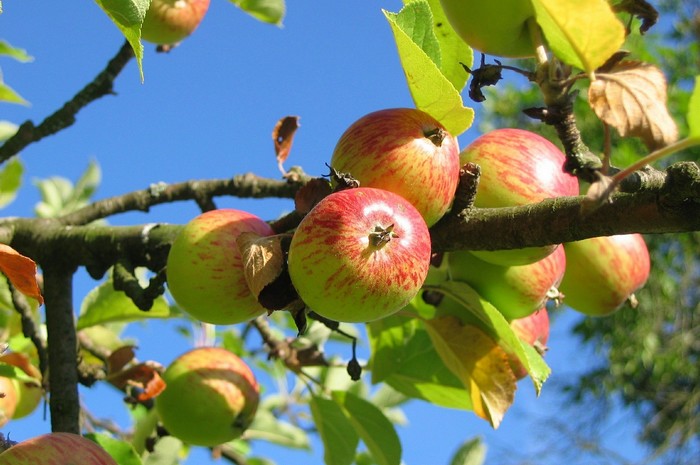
(63, 350)
(65, 116)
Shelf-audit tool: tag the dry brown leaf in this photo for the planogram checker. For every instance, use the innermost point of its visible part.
(310, 194)
(263, 259)
(119, 358)
(283, 136)
(21, 271)
(631, 97)
(141, 381)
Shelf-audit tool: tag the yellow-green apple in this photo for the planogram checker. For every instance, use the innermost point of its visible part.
(533, 330)
(405, 151)
(516, 291)
(210, 397)
(359, 255)
(603, 272)
(493, 27)
(9, 399)
(205, 268)
(518, 167)
(56, 449)
(28, 387)
(168, 22)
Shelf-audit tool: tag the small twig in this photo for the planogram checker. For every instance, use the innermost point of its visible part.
(65, 116)
(124, 279)
(29, 328)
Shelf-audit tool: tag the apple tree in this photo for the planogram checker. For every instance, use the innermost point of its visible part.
(407, 243)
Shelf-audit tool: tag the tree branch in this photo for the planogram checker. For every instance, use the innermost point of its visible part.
(63, 352)
(65, 116)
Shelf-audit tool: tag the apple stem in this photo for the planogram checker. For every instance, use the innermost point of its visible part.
(381, 236)
(537, 41)
(436, 135)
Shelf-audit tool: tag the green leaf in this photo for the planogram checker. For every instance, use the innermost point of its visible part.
(268, 11)
(16, 53)
(10, 180)
(403, 357)
(60, 196)
(412, 21)
(583, 34)
(9, 95)
(453, 49)
(694, 111)
(86, 185)
(338, 434)
(267, 427)
(432, 92)
(128, 16)
(493, 322)
(121, 451)
(375, 430)
(7, 130)
(166, 452)
(105, 305)
(472, 452)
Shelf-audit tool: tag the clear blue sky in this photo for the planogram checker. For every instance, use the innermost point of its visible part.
(207, 110)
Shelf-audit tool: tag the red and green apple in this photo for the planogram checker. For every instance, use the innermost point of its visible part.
(168, 22)
(359, 255)
(205, 268)
(518, 167)
(604, 272)
(405, 151)
(56, 449)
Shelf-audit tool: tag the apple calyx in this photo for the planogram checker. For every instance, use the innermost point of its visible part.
(436, 135)
(381, 236)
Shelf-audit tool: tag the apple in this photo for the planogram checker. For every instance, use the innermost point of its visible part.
(168, 22)
(516, 291)
(56, 449)
(210, 397)
(495, 27)
(205, 269)
(9, 398)
(405, 151)
(29, 390)
(518, 167)
(603, 272)
(359, 255)
(533, 330)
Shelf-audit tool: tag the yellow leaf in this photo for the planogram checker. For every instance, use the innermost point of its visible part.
(631, 97)
(581, 33)
(479, 362)
(21, 271)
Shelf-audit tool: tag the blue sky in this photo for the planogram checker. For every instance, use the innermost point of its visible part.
(207, 110)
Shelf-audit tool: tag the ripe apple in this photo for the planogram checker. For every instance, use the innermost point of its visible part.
(56, 449)
(603, 272)
(516, 291)
(405, 151)
(167, 22)
(205, 269)
(9, 398)
(495, 28)
(210, 397)
(359, 255)
(534, 330)
(29, 390)
(518, 167)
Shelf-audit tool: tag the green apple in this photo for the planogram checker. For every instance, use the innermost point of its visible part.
(56, 449)
(518, 167)
(359, 255)
(405, 151)
(168, 22)
(603, 272)
(498, 27)
(205, 268)
(516, 291)
(210, 397)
